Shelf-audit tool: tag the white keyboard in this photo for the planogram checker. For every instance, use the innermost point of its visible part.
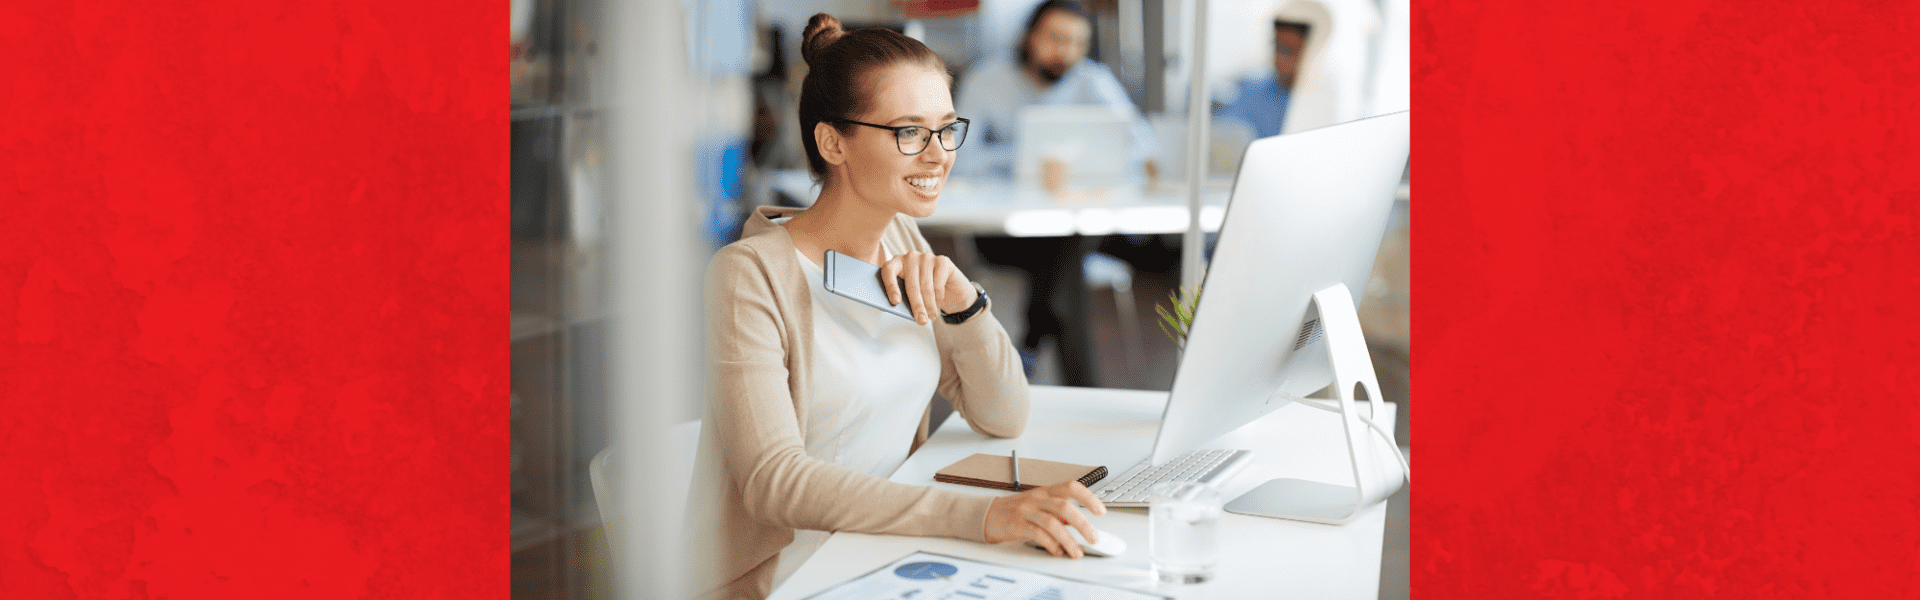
(1131, 489)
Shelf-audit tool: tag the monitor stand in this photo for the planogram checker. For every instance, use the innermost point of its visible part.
(1353, 379)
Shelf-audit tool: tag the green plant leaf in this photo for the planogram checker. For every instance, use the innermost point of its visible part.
(1178, 322)
(1171, 326)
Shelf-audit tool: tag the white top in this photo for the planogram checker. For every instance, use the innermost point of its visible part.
(991, 97)
(875, 374)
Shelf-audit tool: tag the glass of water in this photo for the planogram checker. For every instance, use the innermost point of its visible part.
(1182, 531)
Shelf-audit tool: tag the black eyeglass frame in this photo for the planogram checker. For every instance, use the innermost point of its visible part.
(931, 134)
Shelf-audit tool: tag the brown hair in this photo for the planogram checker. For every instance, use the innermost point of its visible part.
(1071, 6)
(1303, 28)
(836, 86)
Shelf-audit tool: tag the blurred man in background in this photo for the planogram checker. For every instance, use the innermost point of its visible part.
(1262, 101)
(1051, 68)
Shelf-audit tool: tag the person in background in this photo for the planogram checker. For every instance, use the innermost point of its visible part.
(815, 399)
(1262, 101)
(1052, 68)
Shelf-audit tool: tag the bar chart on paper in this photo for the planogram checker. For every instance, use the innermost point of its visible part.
(926, 576)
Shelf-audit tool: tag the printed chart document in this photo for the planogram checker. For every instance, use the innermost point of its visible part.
(926, 576)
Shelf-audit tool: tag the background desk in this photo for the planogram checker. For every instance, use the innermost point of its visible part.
(1259, 557)
(998, 207)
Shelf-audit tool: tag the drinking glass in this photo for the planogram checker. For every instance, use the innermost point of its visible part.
(1182, 531)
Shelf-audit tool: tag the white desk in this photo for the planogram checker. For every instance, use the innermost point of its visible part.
(997, 207)
(1259, 558)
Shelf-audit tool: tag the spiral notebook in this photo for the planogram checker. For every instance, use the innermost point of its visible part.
(995, 471)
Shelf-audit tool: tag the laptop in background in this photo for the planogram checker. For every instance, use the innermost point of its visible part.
(1090, 138)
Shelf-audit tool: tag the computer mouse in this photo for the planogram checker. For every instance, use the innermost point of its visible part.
(1110, 544)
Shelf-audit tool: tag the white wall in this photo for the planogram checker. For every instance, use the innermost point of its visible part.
(1393, 67)
(1239, 38)
(1001, 24)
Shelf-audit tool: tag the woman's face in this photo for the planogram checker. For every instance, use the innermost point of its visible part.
(901, 96)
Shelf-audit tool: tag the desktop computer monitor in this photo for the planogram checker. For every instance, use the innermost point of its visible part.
(1275, 318)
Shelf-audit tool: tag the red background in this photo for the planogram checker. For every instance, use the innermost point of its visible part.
(253, 300)
(1662, 285)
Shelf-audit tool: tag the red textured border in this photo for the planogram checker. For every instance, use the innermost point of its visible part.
(1663, 278)
(254, 300)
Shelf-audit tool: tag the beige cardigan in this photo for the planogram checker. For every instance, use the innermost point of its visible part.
(753, 481)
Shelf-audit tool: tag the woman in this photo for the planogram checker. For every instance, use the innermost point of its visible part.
(816, 398)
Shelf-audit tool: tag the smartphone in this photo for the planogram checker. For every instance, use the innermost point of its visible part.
(860, 280)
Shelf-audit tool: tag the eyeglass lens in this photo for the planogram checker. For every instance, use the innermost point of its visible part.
(914, 140)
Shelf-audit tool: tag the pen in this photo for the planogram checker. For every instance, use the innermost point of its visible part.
(1016, 470)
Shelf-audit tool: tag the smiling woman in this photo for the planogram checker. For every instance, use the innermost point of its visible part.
(816, 398)
(909, 101)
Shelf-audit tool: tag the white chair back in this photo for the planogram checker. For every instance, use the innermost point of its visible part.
(604, 469)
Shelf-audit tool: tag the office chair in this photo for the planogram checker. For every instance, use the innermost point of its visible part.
(602, 488)
(673, 494)
(1102, 270)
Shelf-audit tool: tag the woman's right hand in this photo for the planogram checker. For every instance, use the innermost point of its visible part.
(1043, 515)
(931, 280)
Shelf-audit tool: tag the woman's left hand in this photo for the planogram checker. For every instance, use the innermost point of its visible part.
(932, 283)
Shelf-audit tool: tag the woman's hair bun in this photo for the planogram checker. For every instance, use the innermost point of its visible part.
(822, 31)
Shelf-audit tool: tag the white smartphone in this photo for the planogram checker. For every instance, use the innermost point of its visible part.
(860, 280)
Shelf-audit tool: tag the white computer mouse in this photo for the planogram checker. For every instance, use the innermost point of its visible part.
(1110, 544)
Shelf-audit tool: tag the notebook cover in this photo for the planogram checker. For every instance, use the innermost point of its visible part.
(995, 471)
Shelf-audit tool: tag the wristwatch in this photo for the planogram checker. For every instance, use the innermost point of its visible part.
(962, 316)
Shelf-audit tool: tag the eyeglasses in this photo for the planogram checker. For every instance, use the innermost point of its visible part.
(914, 139)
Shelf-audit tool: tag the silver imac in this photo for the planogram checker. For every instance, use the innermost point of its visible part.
(1276, 319)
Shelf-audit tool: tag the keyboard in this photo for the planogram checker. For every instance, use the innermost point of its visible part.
(1133, 488)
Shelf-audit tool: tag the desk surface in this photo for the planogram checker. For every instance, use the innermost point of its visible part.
(1260, 557)
(998, 207)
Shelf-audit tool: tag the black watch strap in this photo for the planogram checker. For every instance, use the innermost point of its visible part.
(962, 316)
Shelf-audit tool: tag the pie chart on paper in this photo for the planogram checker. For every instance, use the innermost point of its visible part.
(926, 570)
